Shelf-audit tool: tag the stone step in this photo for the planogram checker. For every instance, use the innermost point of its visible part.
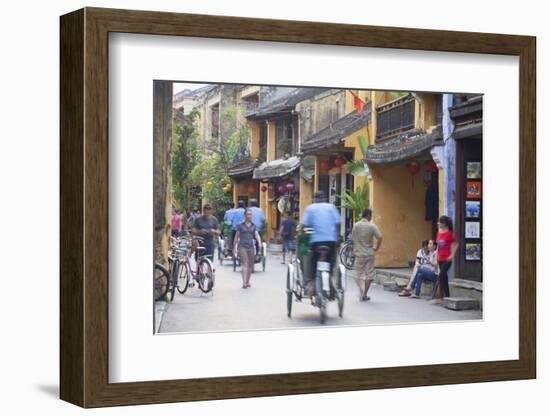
(461, 304)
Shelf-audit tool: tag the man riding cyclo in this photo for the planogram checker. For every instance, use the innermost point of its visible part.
(227, 225)
(324, 220)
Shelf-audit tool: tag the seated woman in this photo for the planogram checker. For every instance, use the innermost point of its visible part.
(425, 256)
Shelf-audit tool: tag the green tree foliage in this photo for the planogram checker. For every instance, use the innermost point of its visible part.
(185, 156)
(209, 173)
(356, 200)
(358, 167)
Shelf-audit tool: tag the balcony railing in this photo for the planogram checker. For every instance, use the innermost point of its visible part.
(249, 106)
(395, 117)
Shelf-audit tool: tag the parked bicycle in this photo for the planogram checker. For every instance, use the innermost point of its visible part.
(346, 254)
(161, 281)
(184, 275)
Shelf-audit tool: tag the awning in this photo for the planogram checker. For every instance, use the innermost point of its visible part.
(242, 168)
(276, 168)
(406, 146)
(336, 131)
(470, 130)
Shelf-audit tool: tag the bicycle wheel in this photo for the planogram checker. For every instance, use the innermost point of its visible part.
(206, 275)
(183, 278)
(346, 256)
(161, 282)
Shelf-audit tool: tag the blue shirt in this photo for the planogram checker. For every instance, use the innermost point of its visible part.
(238, 217)
(228, 216)
(258, 217)
(323, 218)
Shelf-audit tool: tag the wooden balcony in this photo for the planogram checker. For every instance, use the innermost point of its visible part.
(395, 117)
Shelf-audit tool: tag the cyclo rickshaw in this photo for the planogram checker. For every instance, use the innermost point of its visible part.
(259, 257)
(322, 288)
(225, 243)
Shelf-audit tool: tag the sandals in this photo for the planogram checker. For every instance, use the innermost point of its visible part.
(404, 292)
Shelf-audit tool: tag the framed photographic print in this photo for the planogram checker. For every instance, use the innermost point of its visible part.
(473, 170)
(472, 229)
(191, 148)
(473, 209)
(473, 189)
(473, 251)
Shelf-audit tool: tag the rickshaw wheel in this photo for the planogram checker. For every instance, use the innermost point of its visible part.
(288, 294)
(340, 303)
(323, 312)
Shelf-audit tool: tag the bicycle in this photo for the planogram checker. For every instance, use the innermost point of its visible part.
(203, 274)
(177, 256)
(346, 255)
(161, 281)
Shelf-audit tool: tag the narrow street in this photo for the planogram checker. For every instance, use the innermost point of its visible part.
(263, 305)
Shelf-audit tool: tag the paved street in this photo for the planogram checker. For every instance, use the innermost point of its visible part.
(263, 306)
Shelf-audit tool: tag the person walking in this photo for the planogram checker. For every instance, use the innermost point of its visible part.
(362, 235)
(206, 226)
(243, 245)
(447, 245)
(287, 233)
(176, 223)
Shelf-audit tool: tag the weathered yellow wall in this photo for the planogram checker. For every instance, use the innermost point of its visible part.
(316, 175)
(254, 139)
(398, 211)
(425, 111)
(264, 205)
(271, 140)
(306, 194)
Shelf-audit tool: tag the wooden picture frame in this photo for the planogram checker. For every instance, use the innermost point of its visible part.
(84, 207)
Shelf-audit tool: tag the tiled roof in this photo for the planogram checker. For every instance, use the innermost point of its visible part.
(286, 103)
(404, 147)
(276, 168)
(241, 168)
(336, 131)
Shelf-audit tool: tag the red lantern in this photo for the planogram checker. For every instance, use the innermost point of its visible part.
(281, 189)
(339, 161)
(430, 166)
(324, 165)
(290, 186)
(413, 168)
(251, 188)
(263, 188)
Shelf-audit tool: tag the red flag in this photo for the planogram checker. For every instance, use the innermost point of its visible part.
(358, 103)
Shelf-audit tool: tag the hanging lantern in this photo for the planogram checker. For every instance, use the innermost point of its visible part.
(290, 186)
(325, 165)
(430, 166)
(339, 161)
(281, 189)
(263, 188)
(413, 168)
(251, 188)
(226, 188)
